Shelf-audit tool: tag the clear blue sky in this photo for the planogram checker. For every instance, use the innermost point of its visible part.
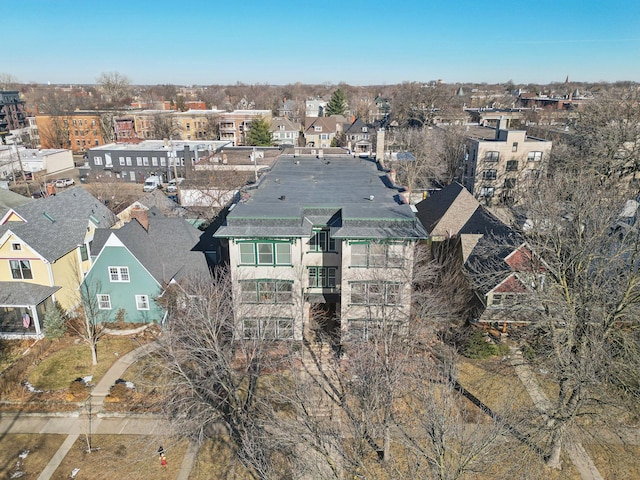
(355, 41)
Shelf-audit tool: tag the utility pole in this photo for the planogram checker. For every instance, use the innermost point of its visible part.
(15, 147)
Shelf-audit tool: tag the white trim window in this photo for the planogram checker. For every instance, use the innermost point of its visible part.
(119, 274)
(20, 269)
(104, 301)
(142, 302)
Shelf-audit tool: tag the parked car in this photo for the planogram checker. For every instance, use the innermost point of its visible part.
(64, 182)
(172, 186)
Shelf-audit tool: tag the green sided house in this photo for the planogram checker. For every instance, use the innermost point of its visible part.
(137, 262)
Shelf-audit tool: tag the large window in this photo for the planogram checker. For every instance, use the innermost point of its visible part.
(104, 301)
(375, 293)
(266, 291)
(509, 183)
(512, 165)
(487, 191)
(265, 253)
(492, 156)
(375, 255)
(142, 302)
(322, 277)
(366, 329)
(321, 241)
(21, 269)
(489, 174)
(268, 328)
(119, 274)
(534, 156)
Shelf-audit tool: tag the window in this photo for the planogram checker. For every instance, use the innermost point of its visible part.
(534, 156)
(129, 161)
(145, 161)
(154, 161)
(487, 191)
(104, 301)
(84, 254)
(321, 241)
(266, 291)
(322, 277)
(97, 160)
(504, 299)
(512, 165)
(163, 161)
(317, 128)
(21, 269)
(509, 183)
(119, 274)
(121, 161)
(265, 253)
(16, 246)
(489, 174)
(377, 255)
(533, 174)
(492, 156)
(142, 302)
(365, 329)
(514, 147)
(375, 293)
(324, 136)
(268, 328)
(139, 161)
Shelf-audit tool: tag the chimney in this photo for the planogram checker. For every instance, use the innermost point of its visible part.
(502, 125)
(142, 216)
(380, 147)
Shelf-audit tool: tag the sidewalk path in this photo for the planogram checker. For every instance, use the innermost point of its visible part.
(579, 457)
(74, 424)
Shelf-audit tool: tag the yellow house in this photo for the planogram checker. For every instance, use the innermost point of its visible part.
(44, 254)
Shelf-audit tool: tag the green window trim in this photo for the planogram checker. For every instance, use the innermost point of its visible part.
(369, 293)
(322, 277)
(322, 241)
(264, 253)
(376, 255)
(267, 328)
(266, 291)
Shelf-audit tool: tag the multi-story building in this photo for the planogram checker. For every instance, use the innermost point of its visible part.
(500, 164)
(78, 131)
(12, 112)
(133, 162)
(320, 131)
(234, 125)
(321, 241)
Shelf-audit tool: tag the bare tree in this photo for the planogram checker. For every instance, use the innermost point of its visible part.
(116, 87)
(8, 81)
(583, 302)
(163, 126)
(87, 324)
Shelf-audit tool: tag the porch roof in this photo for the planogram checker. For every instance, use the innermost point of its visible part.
(21, 294)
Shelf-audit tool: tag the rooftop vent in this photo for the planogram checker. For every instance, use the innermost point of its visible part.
(371, 198)
(283, 197)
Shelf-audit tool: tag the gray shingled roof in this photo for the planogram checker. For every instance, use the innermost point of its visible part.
(9, 199)
(57, 224)
(24, 293)
(347, 192)
(166, 250)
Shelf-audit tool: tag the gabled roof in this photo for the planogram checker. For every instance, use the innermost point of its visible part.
(9, 199)
(328, 124)
(55, 225)
(355, 127)
(289, 126)
(22, 294)
(446, 211)
(166, 250)
(155, 199)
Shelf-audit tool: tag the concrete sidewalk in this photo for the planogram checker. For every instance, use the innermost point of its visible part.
(74, 424)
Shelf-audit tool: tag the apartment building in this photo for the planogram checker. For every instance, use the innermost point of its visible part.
(501, 164)
(78, 131)
(320, 243)
(233, 126)
(12, 112)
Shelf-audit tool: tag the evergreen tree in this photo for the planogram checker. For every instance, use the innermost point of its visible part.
(55, 322)
(337, 105)
(259, 133)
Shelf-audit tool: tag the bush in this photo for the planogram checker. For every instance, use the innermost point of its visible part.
(55, 322)
(478, 346)
(78, 390)
(119, 392)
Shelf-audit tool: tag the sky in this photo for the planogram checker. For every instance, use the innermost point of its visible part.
(373, 42)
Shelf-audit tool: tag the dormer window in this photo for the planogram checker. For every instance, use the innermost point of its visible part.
(365, 129)
(281, 127)
(318, 128)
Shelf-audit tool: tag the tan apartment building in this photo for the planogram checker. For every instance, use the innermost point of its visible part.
(78, 131)
(234, 125)
(500, 164)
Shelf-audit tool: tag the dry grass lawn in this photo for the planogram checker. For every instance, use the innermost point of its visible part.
(38, 449)
(123, 457)
(60, 368)
(215, 460)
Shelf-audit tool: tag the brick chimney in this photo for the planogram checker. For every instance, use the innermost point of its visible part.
(141, 215)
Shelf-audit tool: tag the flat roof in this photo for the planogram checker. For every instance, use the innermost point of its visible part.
(349, 194)
(159, 145)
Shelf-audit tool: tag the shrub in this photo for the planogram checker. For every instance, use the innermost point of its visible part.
(119, 392)
(478, 346)
(55, 322)
(78, 390)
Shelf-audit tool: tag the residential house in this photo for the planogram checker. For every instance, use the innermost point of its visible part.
(314, 107)
(358, 137)
(320, 131)
(234, 125)
(134, 264)
(44, 254)
(501, 164)
(493, 258)
(284, 131)
(321, 241)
